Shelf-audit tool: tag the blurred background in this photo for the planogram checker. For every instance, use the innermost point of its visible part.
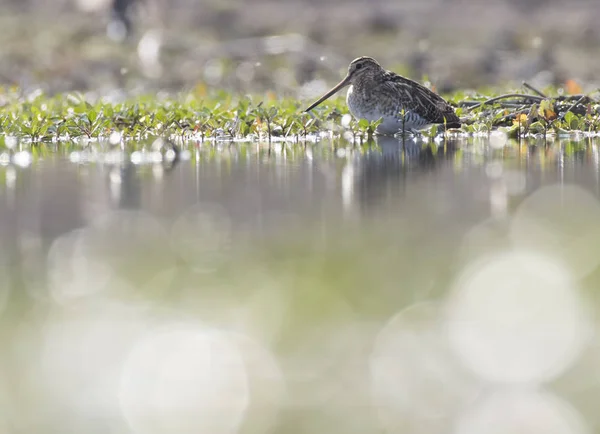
(279, 45)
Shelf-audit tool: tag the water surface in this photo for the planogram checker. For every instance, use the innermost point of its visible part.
(317, 288)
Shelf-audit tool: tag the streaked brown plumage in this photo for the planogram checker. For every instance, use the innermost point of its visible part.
(375, 93)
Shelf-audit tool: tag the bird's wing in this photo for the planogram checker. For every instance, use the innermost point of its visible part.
(417, 98)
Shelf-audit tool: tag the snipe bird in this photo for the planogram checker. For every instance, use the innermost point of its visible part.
(401, 103)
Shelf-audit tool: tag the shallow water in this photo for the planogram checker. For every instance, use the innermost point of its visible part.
(324, 288)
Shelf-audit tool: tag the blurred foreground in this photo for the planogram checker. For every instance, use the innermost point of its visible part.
(302, 290)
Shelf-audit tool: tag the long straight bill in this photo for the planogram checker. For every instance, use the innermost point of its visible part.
(335, 89)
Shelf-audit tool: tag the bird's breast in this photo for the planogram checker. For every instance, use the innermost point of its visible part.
(351, 100)
(361, 105)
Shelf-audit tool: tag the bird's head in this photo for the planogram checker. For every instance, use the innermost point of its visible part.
(359, 68)
(362, 67)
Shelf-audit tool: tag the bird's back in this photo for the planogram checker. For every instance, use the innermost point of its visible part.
(416, 98)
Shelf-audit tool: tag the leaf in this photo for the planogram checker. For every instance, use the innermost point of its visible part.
(83, 119)
(531, 115)
(363, 124)
(546, 110)
(521, 119)
(572, 121)
(537, 127)
(92, 115)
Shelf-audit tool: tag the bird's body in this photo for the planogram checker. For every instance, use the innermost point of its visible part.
(401, 103)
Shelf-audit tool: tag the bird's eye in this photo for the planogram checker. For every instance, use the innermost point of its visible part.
(358, 66)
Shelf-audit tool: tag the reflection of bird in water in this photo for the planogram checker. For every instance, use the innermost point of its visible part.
(125, 183)
(385, 169)
(126, 186)
(401, 103)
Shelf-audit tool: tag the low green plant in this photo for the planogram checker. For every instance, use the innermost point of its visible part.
(40, 118)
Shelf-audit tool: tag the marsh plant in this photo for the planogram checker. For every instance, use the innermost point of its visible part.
(222, 116)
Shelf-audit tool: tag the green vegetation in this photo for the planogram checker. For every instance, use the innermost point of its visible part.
(222, 116)
(524, 115)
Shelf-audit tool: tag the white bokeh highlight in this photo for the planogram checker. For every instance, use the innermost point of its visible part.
(498, 139)
(519, 411)
(116, 249)
(72, 376)
(266, 385)
(184, 379)
(517, 317)
(415, 379)
(73, 270)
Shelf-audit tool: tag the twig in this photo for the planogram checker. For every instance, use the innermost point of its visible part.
(530, 87)
(572, 97)
(468, 103)
(506, 104)
(511, 105)
(573, 106)
(508, 95)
